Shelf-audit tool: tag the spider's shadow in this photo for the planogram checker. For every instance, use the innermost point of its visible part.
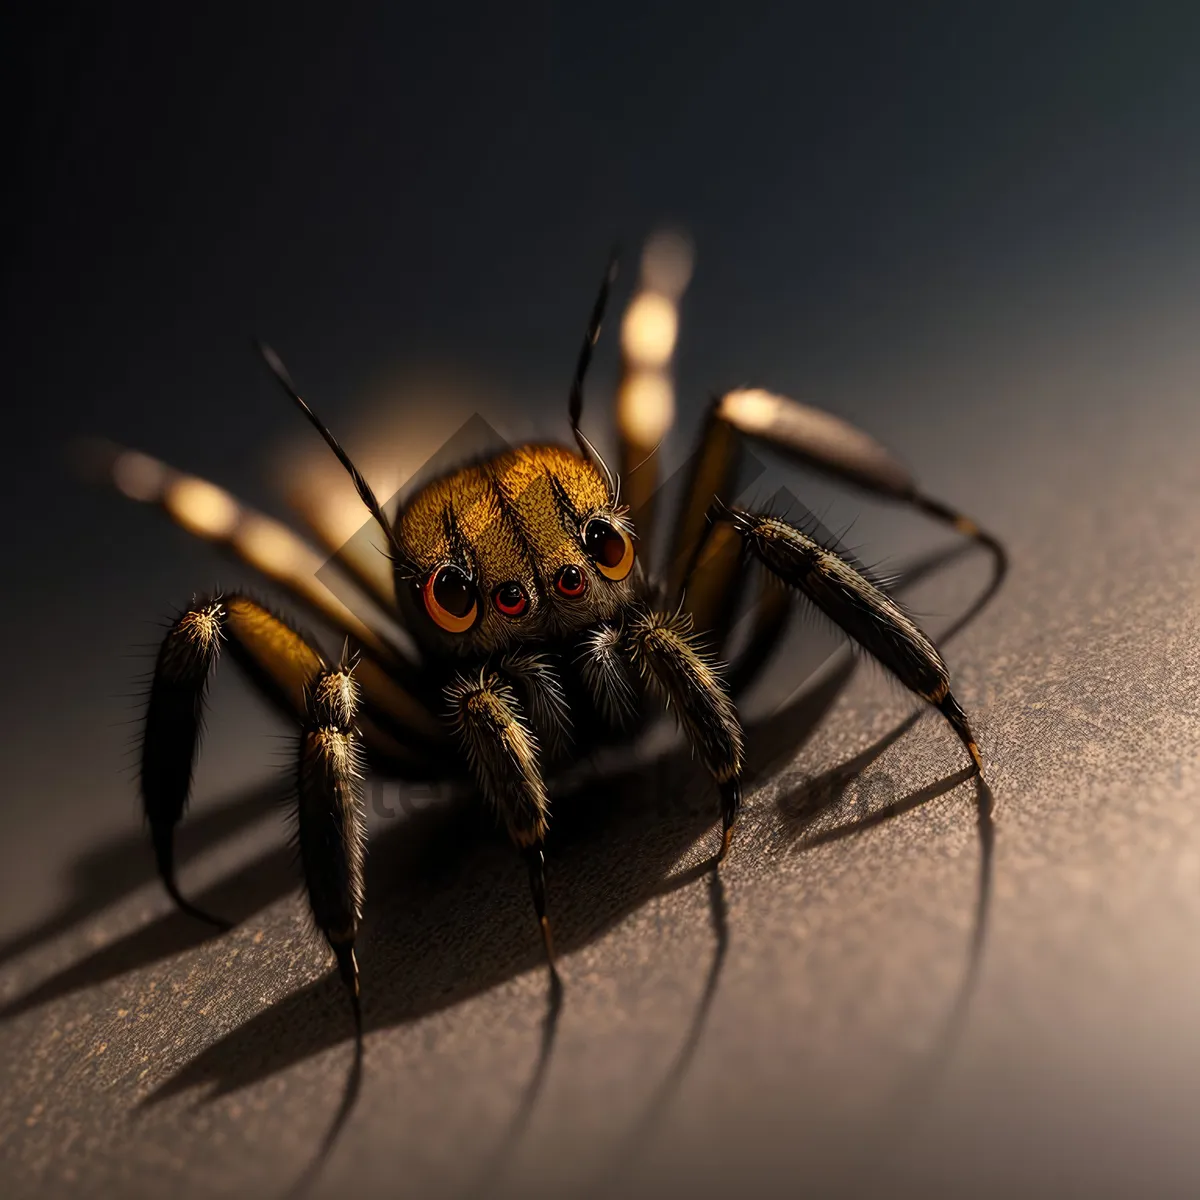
(449, 918)
(445, 932)
(108, 872)
(450, 914)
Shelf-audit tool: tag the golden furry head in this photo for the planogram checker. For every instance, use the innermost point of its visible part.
(515, 528)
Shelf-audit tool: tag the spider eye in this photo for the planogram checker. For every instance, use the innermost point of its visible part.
(450, 599)
(571, 582)
(510, 599)
(609, 547)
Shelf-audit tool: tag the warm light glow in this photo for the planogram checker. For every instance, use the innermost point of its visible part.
(667, 264)
(201, 507)
(406, 420)
(751, 409)
(649, 330)
(646, 407)
(139, 476)
(335, 516)
(271, 547)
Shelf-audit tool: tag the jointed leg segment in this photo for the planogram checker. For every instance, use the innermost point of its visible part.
(324, 702)
(503, 753)
(871, 617)
(330, 831)
(699, 556)
(661, 646)
(174, 717)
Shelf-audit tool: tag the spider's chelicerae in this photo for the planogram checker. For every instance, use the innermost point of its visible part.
(538, 627)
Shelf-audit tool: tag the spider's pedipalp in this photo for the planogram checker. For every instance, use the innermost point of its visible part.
(541, 687)
(604, 670)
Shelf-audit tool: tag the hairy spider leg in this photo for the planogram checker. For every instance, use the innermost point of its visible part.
(662, 648)
(703, 562)
(502, 750)
(284, 559)
(872, 618)
(294, 677)
(330, 831)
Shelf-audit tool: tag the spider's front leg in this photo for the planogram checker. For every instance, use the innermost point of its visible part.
(171, 734)
(278, 661)
(662, 647)
(503, 753)
(294, 677)
(864, 611)
(330, 831)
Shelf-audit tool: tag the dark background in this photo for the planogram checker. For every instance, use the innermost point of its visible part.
(972, 229)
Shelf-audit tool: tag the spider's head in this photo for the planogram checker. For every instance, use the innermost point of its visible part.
(525, 546)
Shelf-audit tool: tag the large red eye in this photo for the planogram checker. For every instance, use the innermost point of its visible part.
(571, 582)
(510, 599)
(449, 597)
(610, 548)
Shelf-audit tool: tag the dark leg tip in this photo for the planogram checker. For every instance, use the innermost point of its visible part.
(731, 805)
(953, 712)
(347, 965)
(348, 969)
(163, 838)
(547, 937)
(556, 990)
(535, 860)
(726, 843)
(187, 907)
(976, 757)
(548, 945)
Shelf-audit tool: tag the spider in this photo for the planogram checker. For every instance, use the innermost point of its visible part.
(538, 626)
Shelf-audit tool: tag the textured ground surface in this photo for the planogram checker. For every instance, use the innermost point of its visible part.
(819, 1019)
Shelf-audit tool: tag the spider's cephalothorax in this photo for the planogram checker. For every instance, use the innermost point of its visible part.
(537, 622)
(526, 546)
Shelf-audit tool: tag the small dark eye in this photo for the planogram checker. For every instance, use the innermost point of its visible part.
(609, 547)
(450, 599)
(510, 599)
(571, 582)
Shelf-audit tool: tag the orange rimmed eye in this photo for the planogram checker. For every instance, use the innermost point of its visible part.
(450, 600)
(609, 547)
(510, 599)
(570, 582)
